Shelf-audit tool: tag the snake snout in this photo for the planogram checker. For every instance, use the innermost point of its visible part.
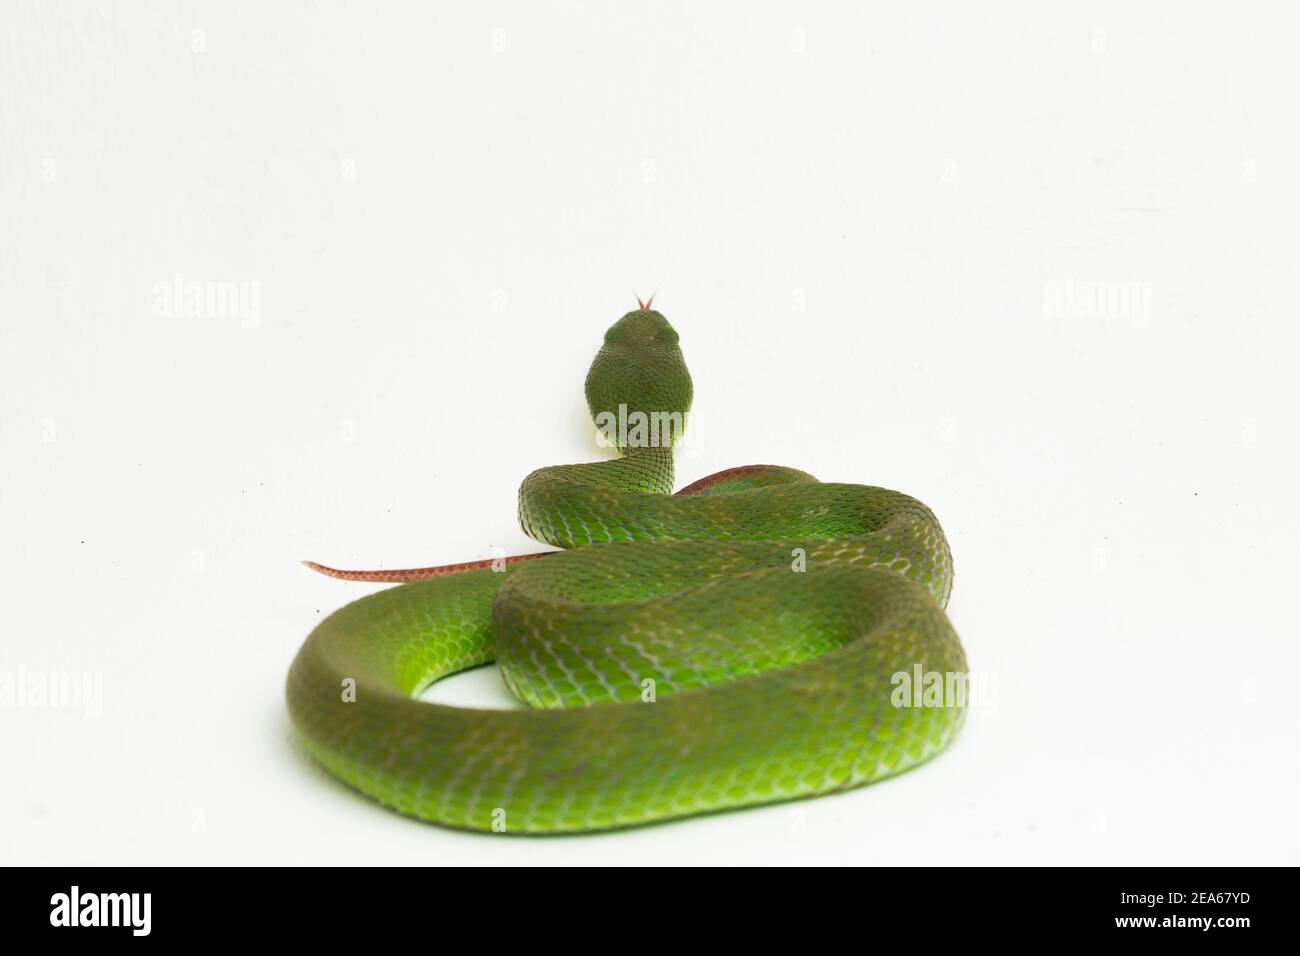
(639, 373)
(642, 327)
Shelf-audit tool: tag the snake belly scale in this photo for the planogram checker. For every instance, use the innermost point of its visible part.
(737, 643)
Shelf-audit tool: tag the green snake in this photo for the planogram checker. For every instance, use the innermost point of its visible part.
(747, 640)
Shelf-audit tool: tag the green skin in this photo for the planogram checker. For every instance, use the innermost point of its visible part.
(733, 646)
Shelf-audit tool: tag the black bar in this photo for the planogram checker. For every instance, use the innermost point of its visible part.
(215, 905)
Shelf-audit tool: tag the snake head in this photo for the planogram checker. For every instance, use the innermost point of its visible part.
(639, 374)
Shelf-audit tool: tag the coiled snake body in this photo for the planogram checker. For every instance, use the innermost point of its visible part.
(740, 642)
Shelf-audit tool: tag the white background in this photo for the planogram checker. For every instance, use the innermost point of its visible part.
(861, 220)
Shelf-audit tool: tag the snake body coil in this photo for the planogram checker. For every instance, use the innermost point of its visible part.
(740, 642)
